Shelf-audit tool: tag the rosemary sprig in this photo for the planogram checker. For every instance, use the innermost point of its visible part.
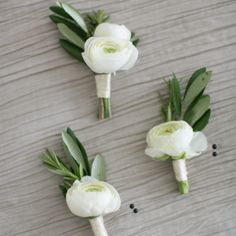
(77, 164)
(94, 19)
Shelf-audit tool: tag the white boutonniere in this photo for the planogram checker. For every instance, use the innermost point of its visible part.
(86, 193)
(105, 47)
(180, 137)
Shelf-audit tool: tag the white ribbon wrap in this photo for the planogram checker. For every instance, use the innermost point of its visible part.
(103, 85)
(180, 170)
(98, 226)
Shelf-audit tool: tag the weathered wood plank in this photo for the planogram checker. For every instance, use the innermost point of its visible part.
(43, 90)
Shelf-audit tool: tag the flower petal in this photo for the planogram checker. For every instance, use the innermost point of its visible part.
(197, 145)
(153, 152)
(132, 60)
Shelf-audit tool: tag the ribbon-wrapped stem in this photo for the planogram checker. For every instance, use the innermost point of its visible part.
(180, 171)
(98, 226)
(103, 85)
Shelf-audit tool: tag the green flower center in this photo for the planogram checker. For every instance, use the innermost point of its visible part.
(167, 129)
(93, 188)
(109, 50)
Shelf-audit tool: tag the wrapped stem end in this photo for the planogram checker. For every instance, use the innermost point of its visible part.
(180, 171)
(103, 85)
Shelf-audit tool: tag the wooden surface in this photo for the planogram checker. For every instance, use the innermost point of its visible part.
(43, 90)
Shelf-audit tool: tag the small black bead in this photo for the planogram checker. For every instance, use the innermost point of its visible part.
(135, 210)
(214, 146)
(131, 206)
(214, 154)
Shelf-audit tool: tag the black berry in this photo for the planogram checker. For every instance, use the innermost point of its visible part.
(135, 210)
(131, 206)
(214, 146)
(214, 154)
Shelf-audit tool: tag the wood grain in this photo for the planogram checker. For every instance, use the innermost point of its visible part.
(43, 90)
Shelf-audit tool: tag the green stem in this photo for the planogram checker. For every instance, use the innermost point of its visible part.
(183, 187)
(104, 108)
(169, 115)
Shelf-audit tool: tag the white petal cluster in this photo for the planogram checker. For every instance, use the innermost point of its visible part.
(91, 198)
(175, 139)
(110, 49)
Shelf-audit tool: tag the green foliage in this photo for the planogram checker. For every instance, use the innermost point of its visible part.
(77, 159)
(94, 19)
(70, 24)
(203, 121)
(77, 28)
(70, 35)
(72, 50)
(98, 168)
(74, 13)
(134, 39)
(194, 107)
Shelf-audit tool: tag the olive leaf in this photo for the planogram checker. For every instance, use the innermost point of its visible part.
(193, 77)
(74, 13)
(203, 121)
(73, 148)
(71, 49)
(63, 189)
(98, 168)
(82, 149)
(70, 35)
(60, 11)
(197, 109)
(70, 24)
(196, 86)
(175, 95)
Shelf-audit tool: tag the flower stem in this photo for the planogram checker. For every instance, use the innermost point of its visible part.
(98, 226)
(180, 171)
(104, 108)
(183, 187)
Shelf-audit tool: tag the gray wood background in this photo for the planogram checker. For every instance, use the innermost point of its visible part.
(43, 90)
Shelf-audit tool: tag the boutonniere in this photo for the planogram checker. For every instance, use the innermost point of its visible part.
(104, 47)
(180, 137)
(86, 193)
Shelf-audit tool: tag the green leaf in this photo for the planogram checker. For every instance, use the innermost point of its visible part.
(70, 24)
(73, 149)
(203, 121)
(73, 164)
(98, 168)
(197, 86)
(194, 76)
(60, 11)
(74, 13)
(71, 49)
(197, 109)
(175, 95)
(56, 165)
(134, 39)
(82, 149)
(63, 190)
(70, 35)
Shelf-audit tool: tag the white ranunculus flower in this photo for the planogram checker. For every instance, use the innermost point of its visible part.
(91, 198)
(175, 139)
(108, 55)
(112, 30)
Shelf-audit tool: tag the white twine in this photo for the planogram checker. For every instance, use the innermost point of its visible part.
(98, 226)
(180, 169)
(103, 85)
